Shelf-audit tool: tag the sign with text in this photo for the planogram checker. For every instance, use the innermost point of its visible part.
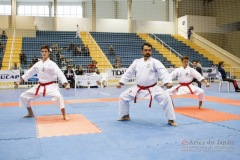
(115, 73)
(9, 76)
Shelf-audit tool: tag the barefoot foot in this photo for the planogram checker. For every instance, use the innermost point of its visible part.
(28, 116)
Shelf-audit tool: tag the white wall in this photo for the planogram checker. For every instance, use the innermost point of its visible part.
(112, 25)
(155, 27)
(202, 24)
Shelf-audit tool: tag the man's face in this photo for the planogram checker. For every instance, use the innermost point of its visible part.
(44, 53)
(185, 63)
(194, 64)
(147, 51)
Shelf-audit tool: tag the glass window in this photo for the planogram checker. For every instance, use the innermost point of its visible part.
(5, 9)
(69, 11)
(33, 10)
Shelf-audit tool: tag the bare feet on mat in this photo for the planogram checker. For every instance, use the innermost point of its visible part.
(200, 107)
(172, 123)
(28, 116)
(124, 118)
(66, 118)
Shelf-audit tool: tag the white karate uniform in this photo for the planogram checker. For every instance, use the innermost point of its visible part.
(147, 74)
(186, 76)
(78, 32)
(46, 71)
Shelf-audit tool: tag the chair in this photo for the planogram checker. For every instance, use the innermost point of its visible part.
(104, 79)
(221, 82)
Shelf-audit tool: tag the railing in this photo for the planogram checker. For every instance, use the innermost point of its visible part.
(12, 48)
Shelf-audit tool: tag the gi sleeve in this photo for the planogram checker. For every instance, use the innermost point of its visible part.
(59, 74)
(130, 72)
(196, 74)
(174, 73)
(162, 72)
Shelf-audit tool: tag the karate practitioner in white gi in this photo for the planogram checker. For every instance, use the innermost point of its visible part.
(185, 76)
(147, 71)
(47, 71)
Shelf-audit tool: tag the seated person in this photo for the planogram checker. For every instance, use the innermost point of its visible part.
(91, 67)
(69, 74)
(79, 71)
(224, 76)
(111, 50)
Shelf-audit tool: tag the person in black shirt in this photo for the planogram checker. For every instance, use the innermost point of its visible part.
(224, 76)
(79, 71)
(199, 69)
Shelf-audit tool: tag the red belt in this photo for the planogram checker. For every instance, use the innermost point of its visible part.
(43, 84)
(185, 84)
(145, 88)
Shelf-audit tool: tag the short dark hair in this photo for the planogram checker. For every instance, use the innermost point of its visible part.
(194, 61)
(146, 44)
(220, 64)
(184, 57)
(45, 47)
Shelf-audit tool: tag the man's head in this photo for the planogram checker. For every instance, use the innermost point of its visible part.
(45, 52)
(221, 64)
(185, 60)
(147, 50)
(194, 63)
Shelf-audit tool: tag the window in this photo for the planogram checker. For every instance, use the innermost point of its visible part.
(5, 9)
(69, 11)
(33, 10)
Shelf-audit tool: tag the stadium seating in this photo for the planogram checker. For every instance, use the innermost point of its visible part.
(31, 46)
(184, 49)
(126, 45)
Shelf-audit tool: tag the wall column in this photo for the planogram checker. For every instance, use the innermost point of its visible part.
(55, 16)
(94, 15)
(13, 16)
(129, 16)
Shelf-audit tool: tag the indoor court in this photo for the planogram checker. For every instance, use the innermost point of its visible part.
(86, 46)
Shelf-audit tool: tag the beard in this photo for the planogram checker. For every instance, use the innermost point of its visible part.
(147, 55)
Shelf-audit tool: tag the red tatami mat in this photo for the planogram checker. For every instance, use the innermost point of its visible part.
(205, 114)
(54, 125)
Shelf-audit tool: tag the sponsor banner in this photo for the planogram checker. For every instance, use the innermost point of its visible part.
(9, 76)
(115, 73)
(85, 80)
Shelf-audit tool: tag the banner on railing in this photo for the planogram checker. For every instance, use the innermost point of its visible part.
(115, 73)
(9, 76)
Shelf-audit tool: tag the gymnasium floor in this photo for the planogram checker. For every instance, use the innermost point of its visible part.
(93, 132)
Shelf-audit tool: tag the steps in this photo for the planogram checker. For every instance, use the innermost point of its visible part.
(95, 52)
(161, 49)
(16, 50)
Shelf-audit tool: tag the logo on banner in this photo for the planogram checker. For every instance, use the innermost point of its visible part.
(9, 76)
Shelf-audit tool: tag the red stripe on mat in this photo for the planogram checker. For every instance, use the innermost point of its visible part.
(205, 114)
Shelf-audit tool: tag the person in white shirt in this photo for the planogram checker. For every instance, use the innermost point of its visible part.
(147, 71)
(185, 76)
(78, 32)
(47, 71)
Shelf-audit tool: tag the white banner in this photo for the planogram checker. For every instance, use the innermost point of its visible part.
(115, 73)
(9, 76)
(87, 81)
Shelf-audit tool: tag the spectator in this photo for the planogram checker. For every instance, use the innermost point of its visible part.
(189, 33)
(78, 32)
(79, 71)
(91, 67)
(199, 71)
(111, 50)
(23, 58)
(1, 46)
(4, 34)
(69, 74)
(71, 47)
(34, 60)
(224, 76)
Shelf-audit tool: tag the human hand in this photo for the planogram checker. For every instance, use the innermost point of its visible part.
(169, 85)
(119, 85)
(67, 86)
(207, 84)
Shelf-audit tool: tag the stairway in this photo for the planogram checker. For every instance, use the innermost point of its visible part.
(16, 50)
(161, 49)
(95, 52)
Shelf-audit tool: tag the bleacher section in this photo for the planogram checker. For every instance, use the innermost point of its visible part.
(183, 49)
(31, 46)
(126, 45)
